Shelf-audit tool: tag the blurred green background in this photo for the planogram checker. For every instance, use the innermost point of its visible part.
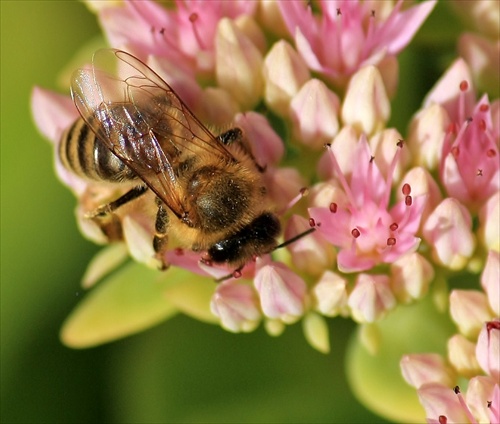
(179, 371)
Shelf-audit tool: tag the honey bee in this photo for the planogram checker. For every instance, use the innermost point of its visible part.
(135, 130)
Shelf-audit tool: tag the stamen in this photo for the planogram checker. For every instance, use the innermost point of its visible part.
(391, 241)
(355, 233)
(193, 18)
(408, 200)
(484, 108)
(312, 222)
(491, 153)
(482, 125)
(340, 176)
(390, 175)
(333, 207)
(464, 86)
(304, 191)
(236, 273)
(406, 189)
(179, 251)
(465, 408)
(393, 226)
(442, 419)
(455, 151)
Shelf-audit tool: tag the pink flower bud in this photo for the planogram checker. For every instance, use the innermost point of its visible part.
(489, 219)
(366, 105)
(314, 112)
(282, 292)
(237, 307)
(448, 232)
(490, 281)
(469, 310)
(488, 348)
(420, 369)
(267, 146)
(238, 64)
(411, 276)
(330, 294)
(371, 298)
(426, 136)
(284, 73)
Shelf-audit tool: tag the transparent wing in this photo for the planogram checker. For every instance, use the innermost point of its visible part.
(141, 120)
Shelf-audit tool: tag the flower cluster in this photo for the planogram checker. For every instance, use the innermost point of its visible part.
(310, 84)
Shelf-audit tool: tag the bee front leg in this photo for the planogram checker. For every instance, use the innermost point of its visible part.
(160, 240)
(107, 220)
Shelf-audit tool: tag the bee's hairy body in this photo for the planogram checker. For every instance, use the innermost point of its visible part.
(226, 212)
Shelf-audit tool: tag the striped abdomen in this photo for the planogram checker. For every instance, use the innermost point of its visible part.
(84, 154)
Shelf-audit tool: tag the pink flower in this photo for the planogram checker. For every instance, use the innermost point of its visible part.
(470, 167)
(338, 42)
(185, 36)
(469, 157)
(358, 220)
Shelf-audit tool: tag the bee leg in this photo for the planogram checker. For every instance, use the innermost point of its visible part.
(160, 240)
(107, 220)
(235, 135)
(108, 209)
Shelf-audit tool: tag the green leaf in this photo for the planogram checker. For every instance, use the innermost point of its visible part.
(130, 300)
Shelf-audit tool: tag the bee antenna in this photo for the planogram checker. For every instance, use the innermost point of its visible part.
(295, 238)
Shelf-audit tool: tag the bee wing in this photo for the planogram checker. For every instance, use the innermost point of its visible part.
(140, 118)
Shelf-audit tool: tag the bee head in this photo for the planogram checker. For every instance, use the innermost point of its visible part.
(254, 239)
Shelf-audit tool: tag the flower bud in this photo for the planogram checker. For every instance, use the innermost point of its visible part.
(237, 307)
(284, 73)
(371, 298)
(267, 146)
(314, 112)
(489, 219)
(448, 232)
(490, 279)
(469, 310)
(411, 276)
(488, 348)
(282, 292)
(330, 294)
(366, 105)
(316, 332)
(427, 134)
(420, 369)
(462, 356)
(238, 64)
